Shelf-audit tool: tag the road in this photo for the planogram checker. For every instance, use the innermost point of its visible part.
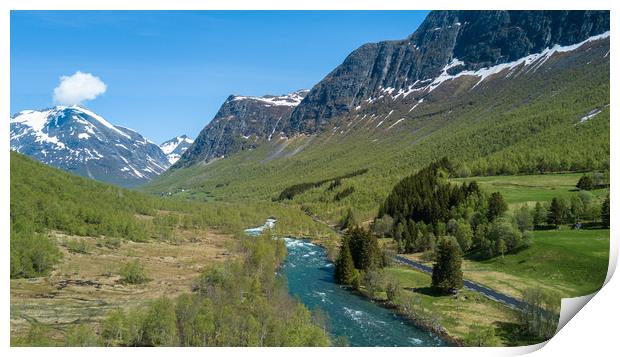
(509, 301)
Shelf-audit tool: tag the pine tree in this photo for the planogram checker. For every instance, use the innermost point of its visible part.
(364, 248)
(605, 212)
(556, 212)
(540, 215)
(585, 183)
(497, 206)
(447, 273)
(345, 270)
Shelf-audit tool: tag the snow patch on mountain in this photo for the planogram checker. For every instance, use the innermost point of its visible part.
(75, 139)
(290, 100)
(175, 147)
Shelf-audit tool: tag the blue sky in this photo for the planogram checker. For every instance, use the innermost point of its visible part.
(168, 72)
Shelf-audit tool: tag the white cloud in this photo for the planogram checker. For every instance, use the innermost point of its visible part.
(77, 88)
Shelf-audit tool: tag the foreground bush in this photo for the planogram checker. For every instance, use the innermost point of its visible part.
(236, 303)
(133, 273)
(32, 255)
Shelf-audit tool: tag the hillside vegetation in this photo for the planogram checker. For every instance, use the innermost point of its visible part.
(51, 209)
(505, 126)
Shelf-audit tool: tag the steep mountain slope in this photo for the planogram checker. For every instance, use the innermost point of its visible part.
(175, 147)
(79, 141)
(446, 42)
(512, 117)
(239, 124)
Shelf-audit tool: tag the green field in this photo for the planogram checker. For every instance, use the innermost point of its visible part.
(532, 188)
(459, 315)
(569, 262)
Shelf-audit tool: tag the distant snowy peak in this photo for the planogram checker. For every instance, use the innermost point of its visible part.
(289, 100)
(80, 141)
(175, 147)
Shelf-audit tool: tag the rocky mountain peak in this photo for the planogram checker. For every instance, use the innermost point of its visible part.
(240, 123)
(476, 39)
(76, 139)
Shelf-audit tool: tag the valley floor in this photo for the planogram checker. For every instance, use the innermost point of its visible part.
(87, 284)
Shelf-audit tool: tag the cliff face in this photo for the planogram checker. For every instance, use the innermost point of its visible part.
(447, 44)
(239, 123)
(473, 39)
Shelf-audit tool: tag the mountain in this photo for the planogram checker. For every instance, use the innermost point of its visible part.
(79, 141)
(175, 147)
(447, 42)
(239, 124)
(491, 103)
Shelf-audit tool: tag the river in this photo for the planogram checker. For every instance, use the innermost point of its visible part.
(364, 323)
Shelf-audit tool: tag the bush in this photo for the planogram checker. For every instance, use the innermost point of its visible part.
(81, 336)
(393, 290)
(159, 324)
(79, 246)
(541, 313)
(38, 335)
(114, 328)
(480, 336)
(109, 242)
(133, 273)
(32, 255)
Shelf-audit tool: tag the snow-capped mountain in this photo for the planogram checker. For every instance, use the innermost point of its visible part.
(79, 141)
(175, 147)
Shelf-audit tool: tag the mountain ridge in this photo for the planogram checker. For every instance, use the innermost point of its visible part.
(175, 147)
(477, 39)
(77, 140)
(239, 124)
(447, 45)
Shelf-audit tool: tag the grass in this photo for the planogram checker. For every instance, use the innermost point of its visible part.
(522, 189)
(568, 262)
(495, 124)
(457, 315)
(82, 288)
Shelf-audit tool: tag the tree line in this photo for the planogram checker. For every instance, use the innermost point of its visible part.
(425, 206)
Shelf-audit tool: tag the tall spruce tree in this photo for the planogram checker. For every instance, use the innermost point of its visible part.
(345, 269)
(497, 206)
(364, 248)
(556, 212)
(605, 212)
(447, 273)
(585, 183)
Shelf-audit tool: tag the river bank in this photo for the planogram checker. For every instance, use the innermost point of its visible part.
(447, 318)
(362, 321)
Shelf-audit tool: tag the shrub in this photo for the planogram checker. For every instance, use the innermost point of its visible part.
(114, 328)
(109, 242)
(79, 246)
(38, 335)
(81, 336)
(585, 183)
(32, 255)
(480, 336)
(393, 289)
(133, 273)
(159, 324)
